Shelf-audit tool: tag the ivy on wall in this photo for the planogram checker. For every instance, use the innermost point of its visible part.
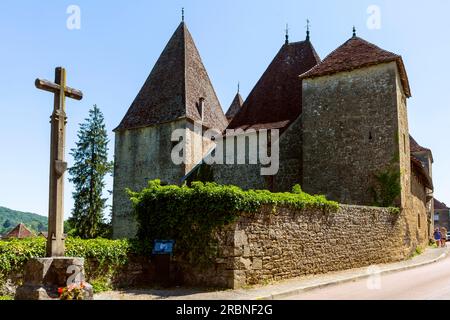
(192, 215)
(387, 188)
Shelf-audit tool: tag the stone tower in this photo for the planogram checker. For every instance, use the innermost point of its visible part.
(178, 94)
(355, 123)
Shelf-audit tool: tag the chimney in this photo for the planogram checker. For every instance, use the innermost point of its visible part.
(201, 107)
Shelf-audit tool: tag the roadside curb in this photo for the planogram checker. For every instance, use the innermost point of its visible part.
(301, 289)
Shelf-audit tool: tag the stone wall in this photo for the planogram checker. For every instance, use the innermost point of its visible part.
(144, 154)
(286, 243)
(348, 140)
(404, 151)
(248, 176)
(417, 227)
(236, 168)
(140, 155)
(268, 247)
(290, 171)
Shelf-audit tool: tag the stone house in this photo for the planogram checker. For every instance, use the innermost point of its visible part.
(441, 215)
(19, 232)
(341, 121)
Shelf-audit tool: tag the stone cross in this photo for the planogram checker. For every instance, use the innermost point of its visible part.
(55, 241)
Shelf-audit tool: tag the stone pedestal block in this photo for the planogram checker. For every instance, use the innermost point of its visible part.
(43, 277)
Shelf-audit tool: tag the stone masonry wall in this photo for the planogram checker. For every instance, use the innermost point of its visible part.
(144, 154)
(417, 229)
(268, 247)
(404, 152)
(248, 176)
(141, 155)
(290, 171)
(348, 140)
(230, 172)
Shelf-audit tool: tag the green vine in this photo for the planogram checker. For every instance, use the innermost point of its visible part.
(192, 216)
(387, 188)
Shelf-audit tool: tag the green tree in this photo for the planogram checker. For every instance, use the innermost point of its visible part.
(7, 224)
(41, 227)
(88, 176)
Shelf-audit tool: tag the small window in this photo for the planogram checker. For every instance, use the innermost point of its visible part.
(370, 136)
(418, 221)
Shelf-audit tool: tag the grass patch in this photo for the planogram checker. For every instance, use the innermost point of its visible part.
(101, 285)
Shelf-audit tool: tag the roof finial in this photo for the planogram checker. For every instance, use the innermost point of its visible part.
(239, 87)
(354, 31)
(182, 14)
(287, 34)
(307, 29)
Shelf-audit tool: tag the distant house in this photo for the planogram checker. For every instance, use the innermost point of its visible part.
(19, 232)
(441, 215)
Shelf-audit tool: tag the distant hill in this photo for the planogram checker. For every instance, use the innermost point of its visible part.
(11, 218)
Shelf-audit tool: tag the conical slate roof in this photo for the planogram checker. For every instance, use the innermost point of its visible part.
(174, 88)
(235, 107)
(354, 54)
(276, 100)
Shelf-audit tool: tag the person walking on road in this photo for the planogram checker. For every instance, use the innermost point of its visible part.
(437, 237)
(443, 236)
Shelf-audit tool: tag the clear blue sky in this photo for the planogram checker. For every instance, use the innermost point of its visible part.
(112, 54)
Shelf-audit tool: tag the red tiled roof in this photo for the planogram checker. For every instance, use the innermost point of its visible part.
(439, 205)
(415, 147)
(235, 107)
(354, 54)
(174, 88)
(277, 97)
(19, 232)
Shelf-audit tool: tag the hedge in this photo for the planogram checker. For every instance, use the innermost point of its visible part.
(193, 215)
(102, 257)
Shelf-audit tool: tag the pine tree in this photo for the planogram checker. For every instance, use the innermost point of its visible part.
(7, 224)
(88, 175)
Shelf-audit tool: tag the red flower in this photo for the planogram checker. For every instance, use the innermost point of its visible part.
(60, 291)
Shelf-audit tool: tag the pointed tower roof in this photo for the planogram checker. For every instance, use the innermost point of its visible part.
(276, 100)
(354, 54)
(174, 88)
(235, 107)
(19, 232)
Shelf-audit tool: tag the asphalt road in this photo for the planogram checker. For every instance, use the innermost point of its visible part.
(430, 282)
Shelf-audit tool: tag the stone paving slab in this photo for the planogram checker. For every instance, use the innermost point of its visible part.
(280, 289)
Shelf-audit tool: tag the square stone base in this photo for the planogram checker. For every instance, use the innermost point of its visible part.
(43, 277)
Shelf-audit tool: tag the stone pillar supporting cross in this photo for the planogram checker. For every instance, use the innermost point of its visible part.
(58, 166)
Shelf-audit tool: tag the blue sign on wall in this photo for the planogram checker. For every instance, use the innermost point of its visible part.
(163, 246)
